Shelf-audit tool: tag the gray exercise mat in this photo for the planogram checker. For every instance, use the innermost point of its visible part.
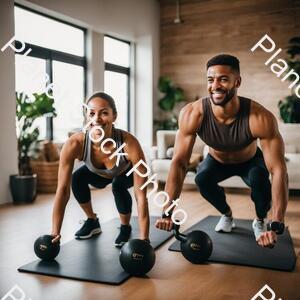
(240, 248)
(95, 259)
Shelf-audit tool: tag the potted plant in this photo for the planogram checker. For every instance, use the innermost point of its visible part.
(171, 96)
(289, 108)
(23, 184)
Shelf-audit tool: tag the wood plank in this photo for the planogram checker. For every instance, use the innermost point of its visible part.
(213, 27)
(172, 276)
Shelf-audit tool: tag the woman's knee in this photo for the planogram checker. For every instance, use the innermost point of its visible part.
(77, 178)
(80, 187)
(119, 185)
(124, 208)
(123, 202)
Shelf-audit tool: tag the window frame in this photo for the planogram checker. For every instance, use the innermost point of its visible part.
(122, 70)
(50, 55)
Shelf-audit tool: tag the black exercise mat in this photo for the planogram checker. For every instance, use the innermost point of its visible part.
(95, 259)
(240, 248)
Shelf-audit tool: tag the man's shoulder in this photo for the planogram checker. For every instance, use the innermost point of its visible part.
(261, 119)
(259, 111)
(191, 116)
(194, 107)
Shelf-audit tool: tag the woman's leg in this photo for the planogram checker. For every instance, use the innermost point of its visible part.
(123, 200)
(88, 209)
(81, 179)
(125, 218)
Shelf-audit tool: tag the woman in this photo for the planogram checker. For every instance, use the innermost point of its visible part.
(100, 170)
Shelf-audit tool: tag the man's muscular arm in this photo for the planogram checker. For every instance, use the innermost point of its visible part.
(189, 122)
(264, 126)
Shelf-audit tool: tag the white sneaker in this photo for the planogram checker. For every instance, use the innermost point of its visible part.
(259, 227)
(225, 224)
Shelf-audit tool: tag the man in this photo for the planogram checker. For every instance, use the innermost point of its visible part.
(230, 125)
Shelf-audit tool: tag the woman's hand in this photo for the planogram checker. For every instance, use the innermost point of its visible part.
(56, 238)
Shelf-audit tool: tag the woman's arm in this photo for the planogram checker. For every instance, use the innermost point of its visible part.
(69, 153)
(135, 154)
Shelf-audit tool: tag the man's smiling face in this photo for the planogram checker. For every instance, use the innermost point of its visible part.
(222, 84)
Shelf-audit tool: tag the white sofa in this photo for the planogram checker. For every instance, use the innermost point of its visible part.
(160, 162)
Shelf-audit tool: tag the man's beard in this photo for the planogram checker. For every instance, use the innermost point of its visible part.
(228, 96)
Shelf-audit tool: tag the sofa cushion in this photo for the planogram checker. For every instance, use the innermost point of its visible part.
(166, 140)
(290, 148)
(194, 160)
(169, 152)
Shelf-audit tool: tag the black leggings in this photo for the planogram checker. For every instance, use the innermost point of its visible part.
(253, 172)
(82, 177)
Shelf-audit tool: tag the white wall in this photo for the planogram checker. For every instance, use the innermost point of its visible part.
(133, 20)
(8, 149)
(95, 61)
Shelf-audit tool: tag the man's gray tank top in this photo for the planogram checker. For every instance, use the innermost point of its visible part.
(226, 137)
(108, 173)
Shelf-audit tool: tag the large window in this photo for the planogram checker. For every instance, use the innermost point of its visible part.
(58, 57)
(116, 77)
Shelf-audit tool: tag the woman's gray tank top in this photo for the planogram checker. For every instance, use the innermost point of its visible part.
(108, 173)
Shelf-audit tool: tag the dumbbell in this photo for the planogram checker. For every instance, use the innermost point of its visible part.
(45, 249)
(278, 227)
(196, 246)
(137, 257)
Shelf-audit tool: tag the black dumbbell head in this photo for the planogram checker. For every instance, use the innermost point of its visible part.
(197, 247)
(137, 257)
(45, 249)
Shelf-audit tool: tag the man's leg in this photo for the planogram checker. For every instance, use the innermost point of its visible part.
(256, 176)
(209, 173)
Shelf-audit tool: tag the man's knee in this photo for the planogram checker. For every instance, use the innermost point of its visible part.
(203, 178)
(259, 177)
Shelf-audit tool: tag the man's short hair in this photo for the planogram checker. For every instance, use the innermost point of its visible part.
(225, 59)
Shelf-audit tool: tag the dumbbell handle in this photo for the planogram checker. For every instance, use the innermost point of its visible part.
(179, 236)
(278, 227)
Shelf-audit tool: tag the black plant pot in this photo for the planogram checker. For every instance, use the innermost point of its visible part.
(297, 111)
(23, 188)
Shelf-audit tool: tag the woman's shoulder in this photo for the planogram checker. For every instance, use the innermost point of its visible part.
(132, 145)
(75, 143)
(127, 136)
(77, 138)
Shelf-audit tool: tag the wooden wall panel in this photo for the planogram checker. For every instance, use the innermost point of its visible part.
(211, 27)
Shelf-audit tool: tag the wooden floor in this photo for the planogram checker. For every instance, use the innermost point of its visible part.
(171, 278)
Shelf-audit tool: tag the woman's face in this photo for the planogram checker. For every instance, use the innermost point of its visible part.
(101, 112)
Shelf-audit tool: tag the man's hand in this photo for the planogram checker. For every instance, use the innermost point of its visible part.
(164, 224)
(267, 239)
